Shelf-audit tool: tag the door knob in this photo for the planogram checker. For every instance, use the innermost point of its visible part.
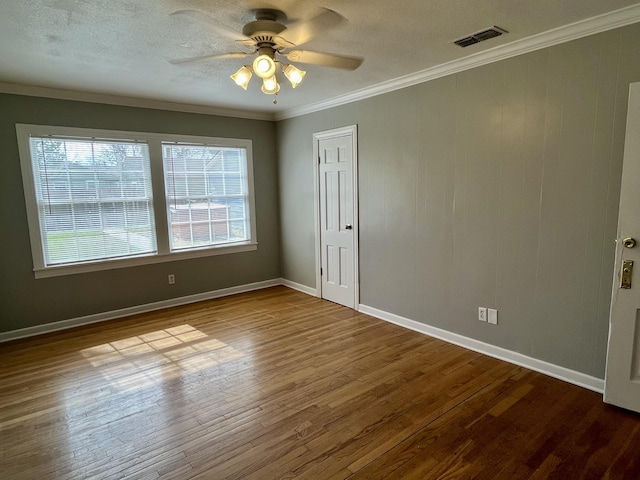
(348, 227)
(629, 242)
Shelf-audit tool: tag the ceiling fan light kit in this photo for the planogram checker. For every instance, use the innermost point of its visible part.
(268, 37)
(262, 68)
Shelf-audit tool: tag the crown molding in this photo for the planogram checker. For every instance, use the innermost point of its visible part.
(566, 33)
(35, 91)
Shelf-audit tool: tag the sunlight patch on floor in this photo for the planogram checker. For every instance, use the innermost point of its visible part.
(151, 358)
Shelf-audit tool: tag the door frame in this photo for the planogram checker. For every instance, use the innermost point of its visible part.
(350, 130)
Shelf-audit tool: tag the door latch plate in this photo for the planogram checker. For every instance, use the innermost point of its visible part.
(627, 272)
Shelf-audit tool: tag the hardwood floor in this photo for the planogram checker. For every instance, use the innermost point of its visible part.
(277, 384)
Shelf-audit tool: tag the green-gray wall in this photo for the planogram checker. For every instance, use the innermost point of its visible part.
(27, 302)
(494, 187)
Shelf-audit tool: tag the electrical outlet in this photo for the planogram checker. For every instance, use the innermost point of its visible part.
(172, 278)
(482, 314)
(492, 317)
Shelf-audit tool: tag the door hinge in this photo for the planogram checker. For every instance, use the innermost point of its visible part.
(318, 159)
(321, 272)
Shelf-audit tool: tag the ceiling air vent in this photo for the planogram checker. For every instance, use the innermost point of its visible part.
(480, 36)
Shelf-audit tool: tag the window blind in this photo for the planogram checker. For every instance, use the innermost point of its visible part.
(207, 195)
(94, 198)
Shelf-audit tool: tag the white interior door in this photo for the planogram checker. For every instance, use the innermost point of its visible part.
(622, 380)
(337, 212)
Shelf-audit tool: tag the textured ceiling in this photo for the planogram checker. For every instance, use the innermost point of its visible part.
(122, 47)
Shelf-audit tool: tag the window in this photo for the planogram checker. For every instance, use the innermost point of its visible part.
(93, 198)
(206, 194)
(91, 202)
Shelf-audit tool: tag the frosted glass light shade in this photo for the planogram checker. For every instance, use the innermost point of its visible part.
(270, 86)
(264, 66)
(242, 77)
(294, 75)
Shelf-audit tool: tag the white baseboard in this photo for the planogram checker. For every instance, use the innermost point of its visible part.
(555, 371)
(571, 376)
(299, 287)
(149, 307)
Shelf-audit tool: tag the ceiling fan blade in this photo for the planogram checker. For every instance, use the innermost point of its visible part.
(303, 31)
(247, 42)
(213, 24)
(202, 58)
(325, 59)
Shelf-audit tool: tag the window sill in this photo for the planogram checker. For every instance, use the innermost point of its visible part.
(61, 270)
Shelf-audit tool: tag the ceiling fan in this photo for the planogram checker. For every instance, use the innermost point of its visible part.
(269, 38)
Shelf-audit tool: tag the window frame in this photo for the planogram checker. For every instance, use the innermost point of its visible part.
(160, 201)
(173, 172)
